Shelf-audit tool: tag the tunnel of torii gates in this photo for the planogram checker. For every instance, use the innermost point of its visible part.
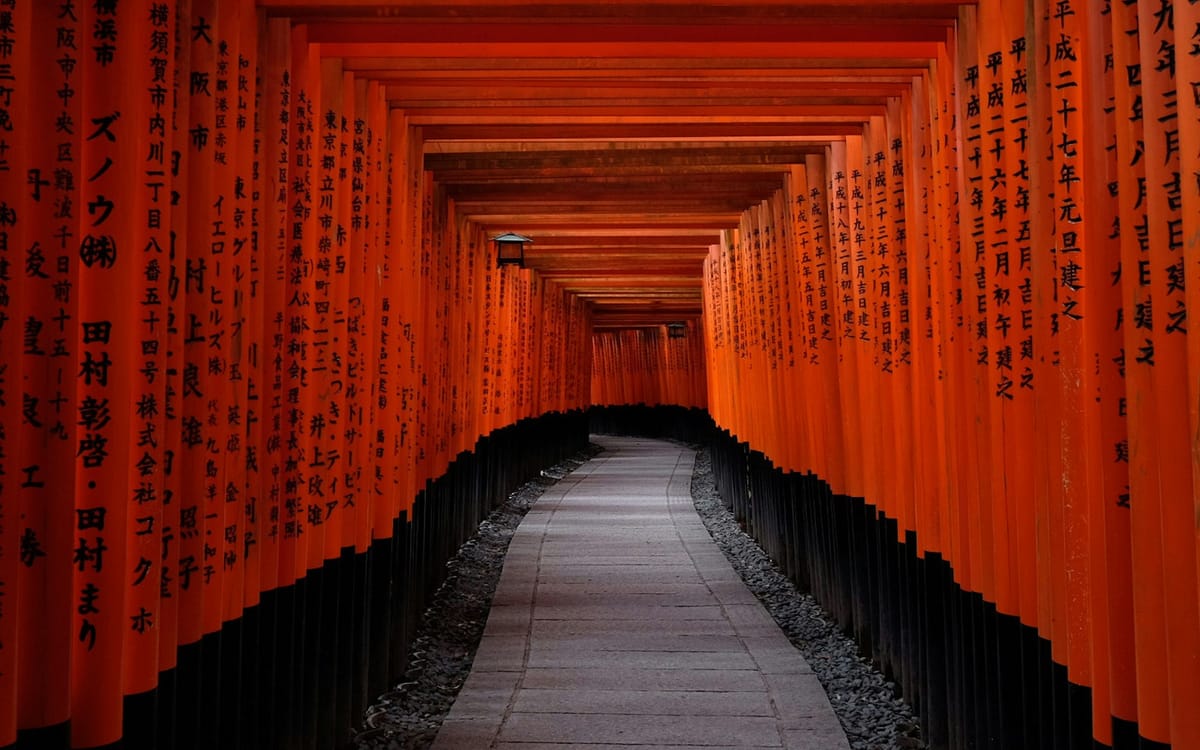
(917, 272)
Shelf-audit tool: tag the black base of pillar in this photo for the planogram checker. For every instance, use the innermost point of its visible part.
(297, 671)
(976, 677)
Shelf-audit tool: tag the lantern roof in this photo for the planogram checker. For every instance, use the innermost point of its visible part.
(511, 237)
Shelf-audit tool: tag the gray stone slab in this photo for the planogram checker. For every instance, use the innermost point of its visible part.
(711, 559)
(817, 736)
(774, 654)
(636, 729)
(749, 614)
(594, 746)
(629, 522)
(731, 592)
(646, 702)
(640, 640)
(571, 658)
(517, 616)
(604, 678)
(799, 697)
(620, 574)
(483, 692)
(633, 587)
(501, 653)
(619, 598)
(619, 627)
(467, 734)
(667, 545)
(630, 611)
(578, 561)
(621, 546)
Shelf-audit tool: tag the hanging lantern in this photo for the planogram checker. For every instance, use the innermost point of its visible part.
(676, 330)
(510, 249)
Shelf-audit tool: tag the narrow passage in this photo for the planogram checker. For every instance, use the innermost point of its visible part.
(618, 622)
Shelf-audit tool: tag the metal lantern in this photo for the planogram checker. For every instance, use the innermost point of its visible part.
(676, 330)
(510, 249)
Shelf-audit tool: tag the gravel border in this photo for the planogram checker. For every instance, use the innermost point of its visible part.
(408, 716)
(867, 703)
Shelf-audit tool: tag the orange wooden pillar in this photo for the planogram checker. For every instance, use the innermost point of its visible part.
(711, 323)
(41, 179)
(1071, 216)
(879, 280)
(111, 231)
(864, 272)
(842, 214)
(327, 462)
(803, 378)
(946, 284)
(1113, 683)
(1167, 355)
(773, 246)
(303, 540)
(900, 317)
(360, 317)
(923, 193)
(788, 322)
(249, 225)
(195, 386)
(274, 238)
(991, 264)
(211, 244)
(934, 277)
(235, 131)
(154, 445)
(18, 211)
(1019, 416)
(394, 439)
(438, 239)
(756, 331)
(823, 357)
(1187, 16)
(1145, 527)
(937, 542)
(380, 190)
(424, 316)
(171, 408)
(487, 331)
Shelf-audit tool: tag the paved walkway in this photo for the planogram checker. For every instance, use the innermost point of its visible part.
(619, 623)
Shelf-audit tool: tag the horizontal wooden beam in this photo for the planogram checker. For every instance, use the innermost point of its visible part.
(725, 172)
(334, 41)
(661, 131)
(791, 96)
(535, 210)
(483, 149)
(508, 82)
(600, 259)
(700, 65)
(832, 114)
(632, 222)
(726, 11)
(584, 38)
(641, 310)
(693, 156)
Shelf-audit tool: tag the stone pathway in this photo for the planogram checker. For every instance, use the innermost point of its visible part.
(618, 623)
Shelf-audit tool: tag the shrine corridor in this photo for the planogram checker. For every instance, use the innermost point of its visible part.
(294, 293)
